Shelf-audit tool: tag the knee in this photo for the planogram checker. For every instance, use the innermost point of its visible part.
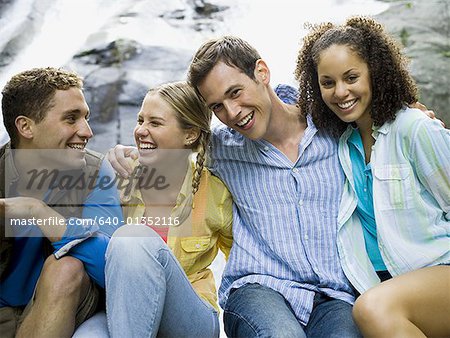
(237, 325)
(133, 244)
(62, 277)
(254, 310)
(372, 308)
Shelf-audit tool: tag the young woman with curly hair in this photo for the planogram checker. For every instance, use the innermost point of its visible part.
(394, 219)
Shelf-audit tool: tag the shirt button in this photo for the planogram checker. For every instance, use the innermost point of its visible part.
(300, 202)
(295, 170)
(266, 148)
(197, 246)
(306, 237)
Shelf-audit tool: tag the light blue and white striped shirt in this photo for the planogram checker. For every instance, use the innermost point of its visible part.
(284, 215)
(411, 195)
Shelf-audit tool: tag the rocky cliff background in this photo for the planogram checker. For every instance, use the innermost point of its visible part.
(423, 27)
(119, 69)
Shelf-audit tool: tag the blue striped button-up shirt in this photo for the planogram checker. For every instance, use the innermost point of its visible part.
(284, 216)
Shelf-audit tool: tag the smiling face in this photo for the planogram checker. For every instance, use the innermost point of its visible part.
(345, 84)
(238, 101)
(65, 127)
(157, 128)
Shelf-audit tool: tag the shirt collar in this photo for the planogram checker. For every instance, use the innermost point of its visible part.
(310, 130)
(384, 129)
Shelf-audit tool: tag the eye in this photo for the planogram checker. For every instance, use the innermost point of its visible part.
(326, 83)
(140, 121)
(71, 119)
(216, 107)
(235, 93)
(352, 78)
(155, 123)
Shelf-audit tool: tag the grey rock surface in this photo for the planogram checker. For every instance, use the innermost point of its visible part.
(423, 27)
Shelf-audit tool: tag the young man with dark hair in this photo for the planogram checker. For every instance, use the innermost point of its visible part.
(283, 277)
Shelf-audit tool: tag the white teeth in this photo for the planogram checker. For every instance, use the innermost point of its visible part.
(245, 120)
(147, 146)
(347, 104)
(76, 146)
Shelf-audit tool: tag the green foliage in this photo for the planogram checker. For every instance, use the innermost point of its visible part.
(404, 36)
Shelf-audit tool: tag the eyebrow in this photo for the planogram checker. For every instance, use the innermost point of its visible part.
(345, 73)
(350, 70)
(140, 115)
(75, 111)
(230, 89)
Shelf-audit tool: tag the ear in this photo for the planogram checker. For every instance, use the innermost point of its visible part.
(191, 135)
(24, 126)
(262, 72)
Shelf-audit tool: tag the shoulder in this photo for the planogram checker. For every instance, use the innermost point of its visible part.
(97, 165)
(214, 183)
(4, 150)
(409, 116)
(286, 93)
(217, 195)
(409, 121)
(225, 136)
(94, 158)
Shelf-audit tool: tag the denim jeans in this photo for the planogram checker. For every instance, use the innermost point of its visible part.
(148, 293)
(254, 310)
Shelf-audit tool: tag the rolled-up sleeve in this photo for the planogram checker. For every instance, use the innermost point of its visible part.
(87, 238)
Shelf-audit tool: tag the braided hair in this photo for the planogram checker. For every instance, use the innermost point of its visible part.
(191, 112)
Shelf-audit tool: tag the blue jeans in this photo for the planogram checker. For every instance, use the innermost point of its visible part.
(254, 310)
(147, 291)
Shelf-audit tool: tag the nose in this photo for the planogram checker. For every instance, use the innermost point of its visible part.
(341, 90)
(232, 108)
(85, 130)
(141, 130)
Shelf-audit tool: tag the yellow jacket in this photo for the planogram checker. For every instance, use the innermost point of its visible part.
(196, 241)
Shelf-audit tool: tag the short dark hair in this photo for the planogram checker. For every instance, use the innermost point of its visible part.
(231, 50)
(30, 93)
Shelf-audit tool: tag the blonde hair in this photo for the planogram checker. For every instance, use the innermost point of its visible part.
(191, 112)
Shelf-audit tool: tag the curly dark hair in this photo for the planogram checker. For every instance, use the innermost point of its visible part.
(392, 85)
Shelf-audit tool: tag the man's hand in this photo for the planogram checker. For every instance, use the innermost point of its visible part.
(28, 208)
(426, 111)
(120, 156)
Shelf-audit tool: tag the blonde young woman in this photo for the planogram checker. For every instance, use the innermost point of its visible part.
(158, 279)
